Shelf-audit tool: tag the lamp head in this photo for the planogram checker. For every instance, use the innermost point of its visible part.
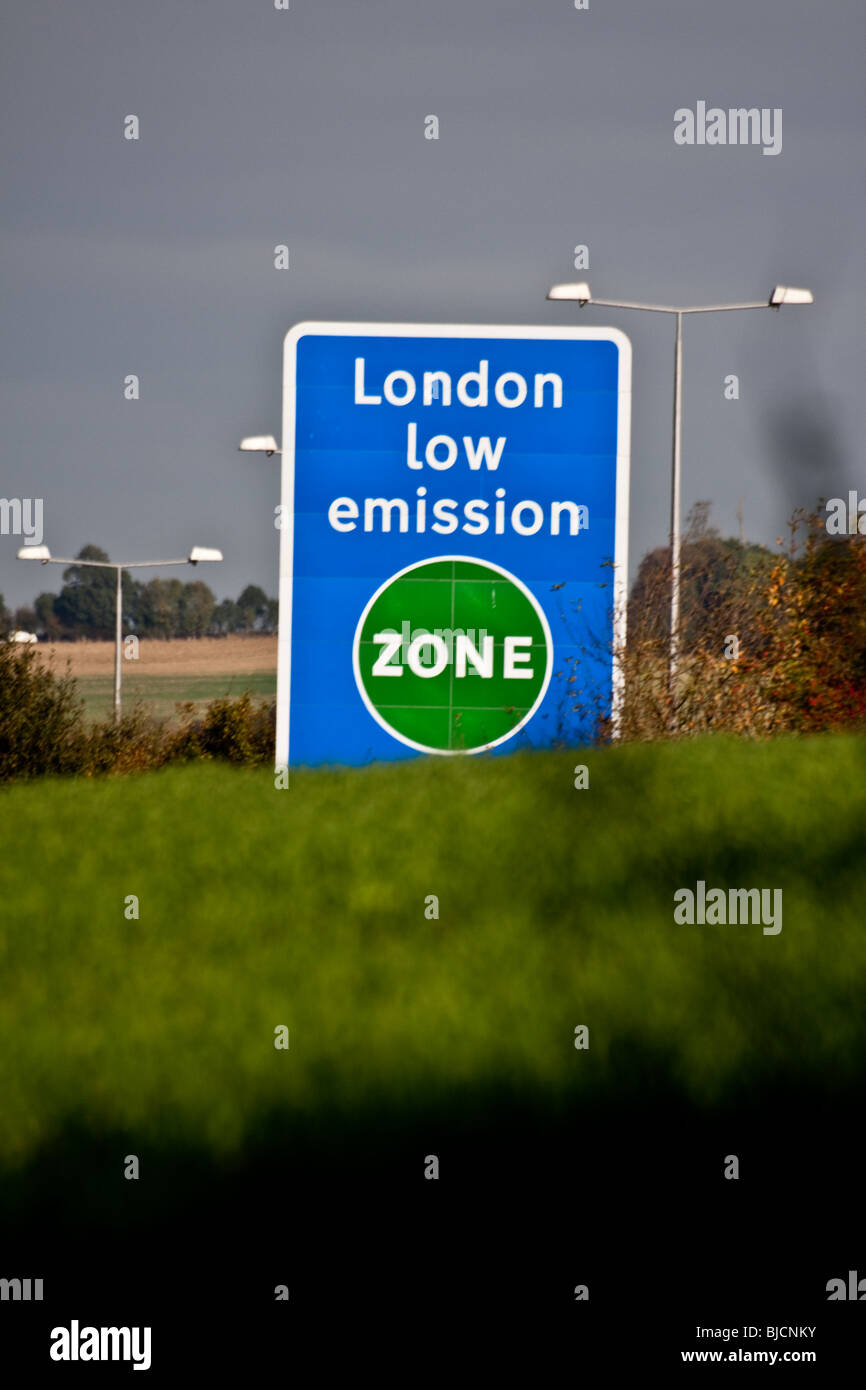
(787, 294)
(580, 291)
(259, 444)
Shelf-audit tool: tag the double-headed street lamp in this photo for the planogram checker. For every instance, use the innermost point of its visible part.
(782, 294)
(197, 555)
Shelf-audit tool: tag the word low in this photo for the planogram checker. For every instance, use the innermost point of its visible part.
(476, 454)
(102, 1344)
(462, 654)
(737, 906)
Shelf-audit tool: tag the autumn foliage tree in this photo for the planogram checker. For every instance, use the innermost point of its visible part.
(815, 623)
(768, 643)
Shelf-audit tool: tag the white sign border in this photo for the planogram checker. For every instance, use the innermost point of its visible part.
(323, 328)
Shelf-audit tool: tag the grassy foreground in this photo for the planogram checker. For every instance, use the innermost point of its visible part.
(307, 908)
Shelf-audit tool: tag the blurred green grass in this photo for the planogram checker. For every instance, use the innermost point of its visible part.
(307, 908)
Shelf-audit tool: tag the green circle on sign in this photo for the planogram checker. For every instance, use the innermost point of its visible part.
(452, 655)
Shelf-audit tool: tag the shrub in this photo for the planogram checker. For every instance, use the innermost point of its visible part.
(816, 629)
(41, 718)
(232, 729)
(135, 743)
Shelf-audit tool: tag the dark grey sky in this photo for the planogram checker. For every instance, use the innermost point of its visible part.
(307, 127)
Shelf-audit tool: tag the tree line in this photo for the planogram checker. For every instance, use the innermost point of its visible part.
(163, 608)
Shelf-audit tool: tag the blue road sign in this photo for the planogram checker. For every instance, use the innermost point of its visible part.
(454, 525)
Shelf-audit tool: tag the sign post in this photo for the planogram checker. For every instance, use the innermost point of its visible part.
(454, 530)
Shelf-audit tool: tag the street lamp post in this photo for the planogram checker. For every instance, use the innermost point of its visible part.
(198, 554)
(782, 294)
